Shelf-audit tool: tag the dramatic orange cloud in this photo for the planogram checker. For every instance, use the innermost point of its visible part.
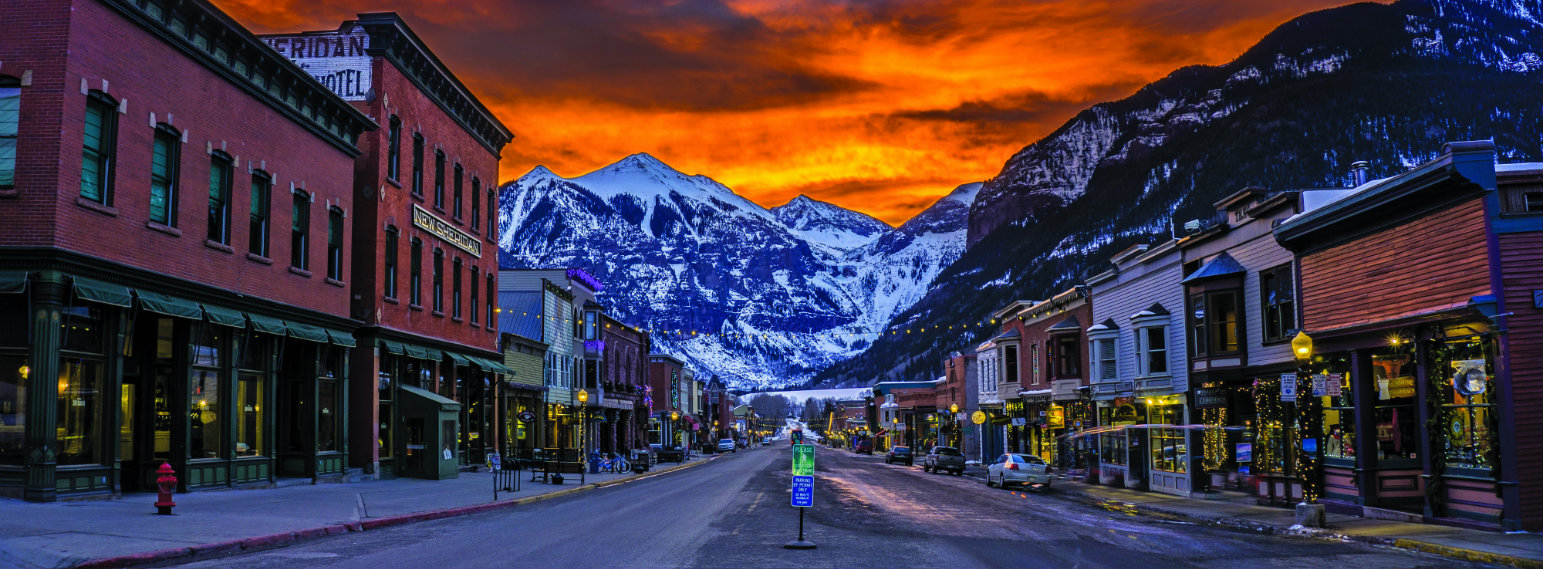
(877, 106)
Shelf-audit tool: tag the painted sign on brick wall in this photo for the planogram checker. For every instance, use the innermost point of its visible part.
(336, 59)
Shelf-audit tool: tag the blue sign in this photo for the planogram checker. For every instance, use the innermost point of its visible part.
(803, 491)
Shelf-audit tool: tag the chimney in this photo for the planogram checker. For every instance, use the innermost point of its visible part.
(1358, 172)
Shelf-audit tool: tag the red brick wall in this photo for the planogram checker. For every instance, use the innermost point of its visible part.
(156, 78)
(36, 36)
(659, 378)
(392, 206)
(1037, 334)
(1435, 262)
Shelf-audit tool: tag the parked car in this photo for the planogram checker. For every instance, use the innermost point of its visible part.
(863, 447)
(727, 445)
(1022, 469)
(765, 442)
(898, 455)
(941, 459)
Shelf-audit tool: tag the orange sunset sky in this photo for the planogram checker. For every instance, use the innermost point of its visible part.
(878, 106)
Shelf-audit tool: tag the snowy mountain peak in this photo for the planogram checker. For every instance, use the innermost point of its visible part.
(537, 175)
(829, 224)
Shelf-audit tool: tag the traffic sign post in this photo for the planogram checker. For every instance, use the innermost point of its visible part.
(803, 490)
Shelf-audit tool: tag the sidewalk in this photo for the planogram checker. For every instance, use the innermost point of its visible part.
(124, 532)
(1238, 510)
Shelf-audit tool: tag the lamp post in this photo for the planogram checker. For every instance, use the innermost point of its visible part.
(674, 416)
(953, 414)
(583, 418)
(1310, 426)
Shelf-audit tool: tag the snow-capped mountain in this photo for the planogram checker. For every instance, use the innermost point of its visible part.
(762, 298)
(828, 224)
(1386, 83)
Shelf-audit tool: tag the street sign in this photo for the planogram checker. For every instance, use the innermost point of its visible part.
(1288, 387)
(1336, 385)
(803, 491)
(1320, 385)
(803, 461)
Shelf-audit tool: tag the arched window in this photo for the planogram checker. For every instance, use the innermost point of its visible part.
(257, 226)
(455, 288)
(390, 265)
(10, 126)
(472, 307)
(415, 284)
(476, 202)
(418, 164)
(300, 231)
(394, 148)
(220, 173)
(99, 148)
(456, 198)
(439, 281)
(165, 165)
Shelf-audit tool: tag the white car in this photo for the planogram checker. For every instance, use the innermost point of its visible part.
(727, 445)
(1022, 469)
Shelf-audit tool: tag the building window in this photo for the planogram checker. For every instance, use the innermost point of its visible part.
(1465, 400)
(1215, 323)
(299, 231)
(165, 162)
(418, 165)
(415, 282)
(1010, 363)
(492, 216)
(439, 180)
(1169, 451)
(1068, 356)
(471, 283)
(219, 198)
(390, 265)
(1104, 359)
(456, 198)
(476, 202)
(249, 416)
(335, 244)
(204, 394)
(262, 191)
(455, 288)
(439, 280)
(99, 155)
(1278, 301)
(591, 325)
(1152, 350)
(329, 400)
(491, 299)
(1514, 198)
(394, 148)
(10, 126)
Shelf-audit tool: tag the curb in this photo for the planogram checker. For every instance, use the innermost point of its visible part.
(206, 551)
(1458, 553)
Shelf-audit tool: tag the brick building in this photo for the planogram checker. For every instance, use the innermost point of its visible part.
(624, 382)
(426, 209)
(669, 386)
(163, 327)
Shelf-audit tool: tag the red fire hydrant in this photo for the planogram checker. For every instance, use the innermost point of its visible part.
(167, 482)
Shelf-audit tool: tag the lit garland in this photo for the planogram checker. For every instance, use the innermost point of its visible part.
(1215, 443)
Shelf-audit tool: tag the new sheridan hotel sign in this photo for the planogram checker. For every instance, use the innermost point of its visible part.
(433, 224)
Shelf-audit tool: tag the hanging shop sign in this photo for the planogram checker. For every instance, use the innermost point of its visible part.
(1469, 377)
(978, 417)
(1209, 397)
(526, 416)
(1056, 418)
(1288, 388)
(1126, 415)
(431, 223)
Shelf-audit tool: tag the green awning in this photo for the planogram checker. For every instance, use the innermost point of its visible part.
(415, 352)
(391, 347)
(267, 325)
(493, 366)
(105, 293)
(459, 359)
(307, 332)
(342, 338)
(433, 354)
(13, 282)
(225, 316)
(169, 305)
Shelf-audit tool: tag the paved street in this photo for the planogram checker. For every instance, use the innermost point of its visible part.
(734, 512)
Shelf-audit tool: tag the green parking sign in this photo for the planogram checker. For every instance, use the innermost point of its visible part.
(803, 460)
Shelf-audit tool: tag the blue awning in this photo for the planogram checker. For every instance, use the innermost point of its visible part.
(1223, 265)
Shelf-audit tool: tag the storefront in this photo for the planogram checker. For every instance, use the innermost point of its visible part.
(140, 378)
(1121, 464)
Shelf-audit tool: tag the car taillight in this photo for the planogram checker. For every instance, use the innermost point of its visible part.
(1012, 466)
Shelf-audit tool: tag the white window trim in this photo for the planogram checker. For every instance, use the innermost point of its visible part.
(1095, 354)
(1141, 326)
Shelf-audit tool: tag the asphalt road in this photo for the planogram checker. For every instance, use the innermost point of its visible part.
(734, 512)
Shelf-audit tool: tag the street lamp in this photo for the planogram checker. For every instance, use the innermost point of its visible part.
(953, 411)
(1310, 416)
(583, 418)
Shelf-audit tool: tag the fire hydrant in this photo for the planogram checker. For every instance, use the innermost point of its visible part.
(167, 482)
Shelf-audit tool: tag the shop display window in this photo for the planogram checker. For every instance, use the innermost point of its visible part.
(14, 374)
(80, 408)
(249, 415)
(1395, 416)
(1275, 430)
(204, 415)
(1464, 372)
(1168, 448)
(1338, 408)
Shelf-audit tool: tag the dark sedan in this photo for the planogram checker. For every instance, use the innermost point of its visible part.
(898, 455)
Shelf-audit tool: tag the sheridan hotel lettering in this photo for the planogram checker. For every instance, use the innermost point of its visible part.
(429, 222)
